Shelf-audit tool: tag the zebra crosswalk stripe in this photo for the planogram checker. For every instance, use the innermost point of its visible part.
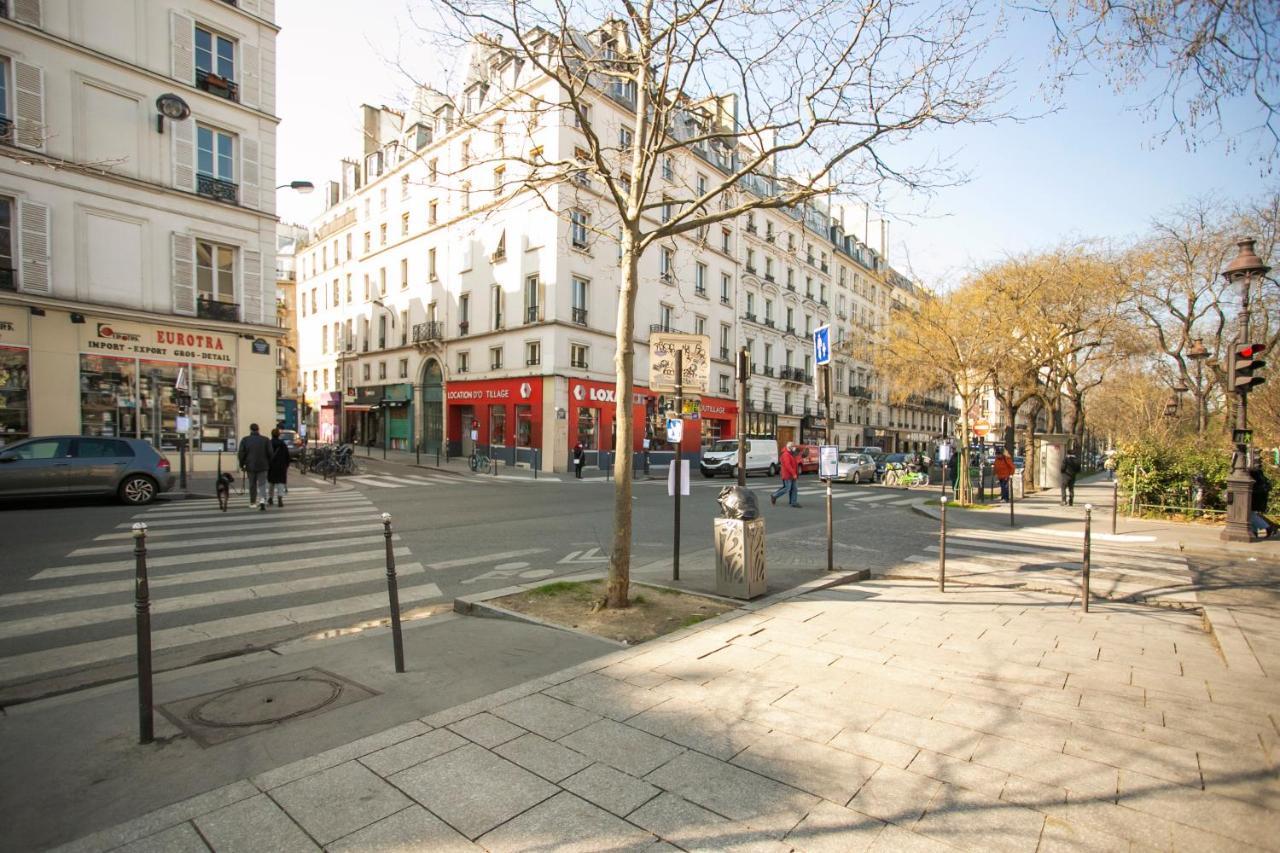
(274, 535)
(246, 524)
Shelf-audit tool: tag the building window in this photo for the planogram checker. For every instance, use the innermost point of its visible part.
(499, 181)
(532, 353)
(578, 355)
(725, 236)
(382, 370)
(404, 368)
(404, 273)
(382, 234)
(464, 313)
(700, 279)
(382, 199)
(496, 305)
(531, 299)
(724, 383)
(215, 63)
(364, 372)
(495, 358)
(625, 138)
(579, 297)
(368, 242)
(466, 196)
(464, 362)
(667, 265)
(579, 222)
(432, 275)
(324, 340)
(666, 315)
(382, 281)
(215, 164)
(699, 325)
(216, 282)
(404, 187)
(404, 225)
(432, 213)
(382, 332)
(726, 285)
(668, 168)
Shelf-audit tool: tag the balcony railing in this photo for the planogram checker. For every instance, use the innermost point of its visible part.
(750, 318)
(464, 326)
(768, 370)
(578, 363)
(217, 85)
(217, 189)
(768, 407)
(432, 330)
(8, 279)
(699, 291)
(724, 353)
(724, 300)
(532, 314)
(532, 360)
(663, 327)
(580, 316)
(210, 309)
(788, 409)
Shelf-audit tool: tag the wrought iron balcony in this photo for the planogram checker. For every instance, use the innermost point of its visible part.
(210, 309)
(532, 314)
(217, 189)
(217, 85)
(724, 353)
(768, 370)
(464, 326)
(724, 300)
(432, 330)
(580, 316)
(663, 327)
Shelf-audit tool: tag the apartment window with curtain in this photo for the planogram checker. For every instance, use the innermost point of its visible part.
(216, 282)
(667, 264)
(531, 299)
(726, 286)
(579, 223)
(700, 279)
(495, 358)
(579, 299)
(215, 164)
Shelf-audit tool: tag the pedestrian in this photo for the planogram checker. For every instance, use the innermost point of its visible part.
(278, 471)
(1070, 468)
(579, 459)
(1004, 474)
(790, 464)
(255, 461)
(1110, 466)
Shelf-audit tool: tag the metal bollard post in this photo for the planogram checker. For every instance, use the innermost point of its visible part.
(142, 608)
(1088, 523)
(393, 593)
(1011, 497)
(1115, 500)
(942, 551)
(535, 463)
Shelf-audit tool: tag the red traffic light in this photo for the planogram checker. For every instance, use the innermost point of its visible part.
(1250, 350)
(1242, 365)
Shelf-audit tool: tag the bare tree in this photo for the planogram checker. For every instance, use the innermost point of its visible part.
(1201, 54)
(789, 102)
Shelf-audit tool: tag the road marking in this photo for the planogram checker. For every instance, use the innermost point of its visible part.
(216, 517)
(244, 524)
(239, 504)
(904, 502)
(98, 651)
(485, 558)
(868, 498)
(81, 618)
(371, 480)
(207, 557)
(153, 545)
(349, 559)
(591, 555)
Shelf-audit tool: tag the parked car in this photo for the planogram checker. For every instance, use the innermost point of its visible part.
(49, 466)
(722, 457)
(855, 468)
(808, 458)
(291, 438)
(876, 454)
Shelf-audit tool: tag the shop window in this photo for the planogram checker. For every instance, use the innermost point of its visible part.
(214, 401)
(15, 418)
(588, 427)
(498, 425)
(108, 396)
(158, 411)
(524, 426)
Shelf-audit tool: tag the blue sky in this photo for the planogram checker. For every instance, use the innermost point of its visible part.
(1092, 169)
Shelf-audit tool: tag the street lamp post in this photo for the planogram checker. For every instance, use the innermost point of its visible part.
(1242, 270)
(1198, 354)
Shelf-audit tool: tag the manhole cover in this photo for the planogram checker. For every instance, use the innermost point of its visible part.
(266, 702)
(213, 718)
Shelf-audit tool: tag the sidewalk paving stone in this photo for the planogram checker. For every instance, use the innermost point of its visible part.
(622, 747)
(413, 828)
(549, 760)
(338, 801)
(696, 829)
(253, 825)
(569, 824)
(974, 821)
(829, 828)
(486, 730)
(822, 770)
(545, 715)
(610, 789)
(180, 839)
(895, 796)
(416, 750)
(472, 789)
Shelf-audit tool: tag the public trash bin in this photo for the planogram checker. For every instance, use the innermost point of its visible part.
(740, 550)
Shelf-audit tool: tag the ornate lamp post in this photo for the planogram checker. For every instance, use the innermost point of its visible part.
(1197, 353)
(1244, 269)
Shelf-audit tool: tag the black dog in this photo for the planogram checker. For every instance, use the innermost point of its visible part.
(223, 487)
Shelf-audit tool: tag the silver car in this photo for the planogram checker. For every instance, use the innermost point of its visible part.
(855, 468)
(50, 466)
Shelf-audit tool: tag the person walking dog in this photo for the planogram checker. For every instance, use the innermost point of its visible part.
(278, 470)
(790, 464)
(255, 461)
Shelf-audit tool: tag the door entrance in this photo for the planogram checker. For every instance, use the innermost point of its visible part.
(432, 402)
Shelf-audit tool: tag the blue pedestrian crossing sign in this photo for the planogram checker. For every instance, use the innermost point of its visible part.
(822, 345)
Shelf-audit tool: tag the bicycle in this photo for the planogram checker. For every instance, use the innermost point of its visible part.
(479, 462)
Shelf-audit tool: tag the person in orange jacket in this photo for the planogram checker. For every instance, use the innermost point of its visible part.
(1004, 473)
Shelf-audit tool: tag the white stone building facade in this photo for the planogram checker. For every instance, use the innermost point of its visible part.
(442, 303)
(137, 245)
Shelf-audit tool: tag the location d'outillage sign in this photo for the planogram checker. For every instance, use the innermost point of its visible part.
(696, 362)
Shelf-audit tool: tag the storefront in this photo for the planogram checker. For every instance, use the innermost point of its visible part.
(501, 418)
(63, 371)
(326, 409)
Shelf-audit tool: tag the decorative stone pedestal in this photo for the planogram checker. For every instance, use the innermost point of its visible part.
(740, 569)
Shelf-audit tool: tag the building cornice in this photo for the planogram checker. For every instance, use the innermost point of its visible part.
(116, 312)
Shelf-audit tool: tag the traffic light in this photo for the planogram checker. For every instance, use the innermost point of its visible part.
(1243, 362)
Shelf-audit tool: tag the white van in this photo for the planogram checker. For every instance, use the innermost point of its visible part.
(722, 457)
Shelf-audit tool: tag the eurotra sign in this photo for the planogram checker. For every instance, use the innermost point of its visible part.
(696, 364)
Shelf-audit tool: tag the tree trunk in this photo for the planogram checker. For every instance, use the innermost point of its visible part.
(1029, 459)
(963, 485)
(624, 363)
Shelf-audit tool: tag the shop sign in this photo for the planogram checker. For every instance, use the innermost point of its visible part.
(495, 392)
(582, 393)
(13, 325)
(162, 341)
(696, 364)
(714, 409)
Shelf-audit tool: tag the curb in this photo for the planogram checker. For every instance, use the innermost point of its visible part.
(1232, 643)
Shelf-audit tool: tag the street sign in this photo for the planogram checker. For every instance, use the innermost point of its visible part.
(981, 427)
(822, 345)
(828, 462)
(675, 430)
(944, 451)
(696, 362)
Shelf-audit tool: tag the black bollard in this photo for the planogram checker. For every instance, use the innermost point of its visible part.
(1115, 500)
(1088, 523)
(393, 594)
(142, 608)
(942, 551)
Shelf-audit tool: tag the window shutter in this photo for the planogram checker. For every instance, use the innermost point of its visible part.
(183, 134)
(267, 175)
(184, 274)
(28, 103)
(249, 178)
(250, 83)
(267, 78)
(251, 290)
(267, 9)
(182, 48)
(250, 6)
(27, 12)
(34, 247)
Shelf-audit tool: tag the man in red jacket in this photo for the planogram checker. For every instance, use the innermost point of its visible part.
(790, 473)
